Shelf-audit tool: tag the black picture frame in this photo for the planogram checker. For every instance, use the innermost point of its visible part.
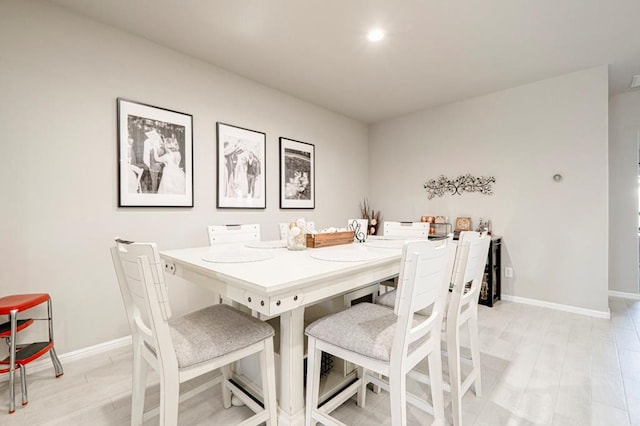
(155, 156)
(241, 175)
(297, 174)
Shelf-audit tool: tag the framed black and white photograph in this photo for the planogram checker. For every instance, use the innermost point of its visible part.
(155, 152)
(297, 174)
(241, 167)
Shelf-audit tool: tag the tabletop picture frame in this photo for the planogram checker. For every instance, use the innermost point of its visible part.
(241, 153)
(297, 174)
(463, 224)
(155, 156)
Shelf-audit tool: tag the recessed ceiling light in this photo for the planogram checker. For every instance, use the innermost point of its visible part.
(375, 35)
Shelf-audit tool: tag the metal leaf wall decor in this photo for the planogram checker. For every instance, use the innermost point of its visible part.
(464, 183)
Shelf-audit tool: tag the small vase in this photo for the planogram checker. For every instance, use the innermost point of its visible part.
(297, 235)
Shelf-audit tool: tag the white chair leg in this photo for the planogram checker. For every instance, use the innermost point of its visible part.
(169, 399)
(139, 386)
(398, 397)
(453, 349)
(267, 367)
(226, 393)
(374, 295)
(435, 375)
(376, 389)
(362, 389)
(475, 354)
(313, 380)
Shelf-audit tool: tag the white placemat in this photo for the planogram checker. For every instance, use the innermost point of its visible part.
(344, 255)
(236, 256)
(267, 244)
(387, 244)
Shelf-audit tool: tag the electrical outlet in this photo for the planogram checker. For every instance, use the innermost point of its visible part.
(508, 272)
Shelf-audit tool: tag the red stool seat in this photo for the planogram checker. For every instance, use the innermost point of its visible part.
(21, 302)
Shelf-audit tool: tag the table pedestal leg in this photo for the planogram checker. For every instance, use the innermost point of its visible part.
(292, 367)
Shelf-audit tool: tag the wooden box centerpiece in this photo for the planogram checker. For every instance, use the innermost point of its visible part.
(325, 239)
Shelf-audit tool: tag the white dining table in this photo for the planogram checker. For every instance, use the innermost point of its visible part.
(274, 281)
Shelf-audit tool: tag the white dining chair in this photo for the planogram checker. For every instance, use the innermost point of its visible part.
(230, 234)
(180, 349)
(462, 309)
(388, 298)
(401, 230)
(387, 343)
(405, 229)
(225, 234)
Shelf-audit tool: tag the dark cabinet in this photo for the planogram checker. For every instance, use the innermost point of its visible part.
(490, 289)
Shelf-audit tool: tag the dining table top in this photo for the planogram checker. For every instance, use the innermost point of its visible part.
(270, 268)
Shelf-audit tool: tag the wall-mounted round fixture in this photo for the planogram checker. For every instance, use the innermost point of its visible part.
(557, 177)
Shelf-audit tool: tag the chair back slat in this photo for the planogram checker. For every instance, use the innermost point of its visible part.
(468, 271)
(477, 258)
(224, 234)
(127, 296)
(145, 294)
(424, 294)
(406, 229)
(425, 271)
(129, 255)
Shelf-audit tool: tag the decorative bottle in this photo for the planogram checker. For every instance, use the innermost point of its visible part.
(297, 235)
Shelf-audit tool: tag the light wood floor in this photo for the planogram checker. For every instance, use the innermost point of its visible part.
(539, 366)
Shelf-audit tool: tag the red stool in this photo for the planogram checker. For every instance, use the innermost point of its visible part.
(20, 356)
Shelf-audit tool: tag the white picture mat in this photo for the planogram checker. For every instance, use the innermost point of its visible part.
(127, 199)
(233, 182)
(286, 200)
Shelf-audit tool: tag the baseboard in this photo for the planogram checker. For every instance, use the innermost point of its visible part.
(45, 362)
(557, 306)
(634, 296)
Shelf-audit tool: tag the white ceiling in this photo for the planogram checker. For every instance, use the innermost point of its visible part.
(435, 52)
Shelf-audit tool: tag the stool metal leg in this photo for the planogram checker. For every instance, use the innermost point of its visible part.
(23, 383)
(56, 362)
(52, 353)
(12, 361)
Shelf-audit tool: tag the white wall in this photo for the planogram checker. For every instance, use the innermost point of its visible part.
(623, 186)
(555, 234)
(59, 80)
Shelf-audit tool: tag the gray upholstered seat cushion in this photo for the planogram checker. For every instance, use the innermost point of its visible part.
(365, 329)
(214, 331)
(388, 299)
